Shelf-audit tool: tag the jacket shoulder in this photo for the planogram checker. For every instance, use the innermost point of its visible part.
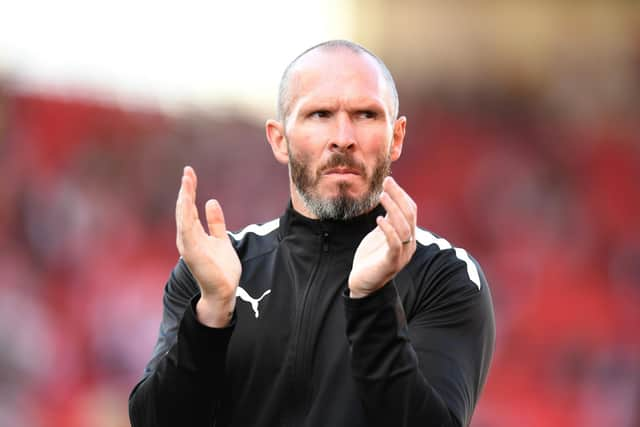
(432, 248)
(255, 239)
(445, 279)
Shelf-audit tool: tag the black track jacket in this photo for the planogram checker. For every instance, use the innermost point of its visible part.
(300, 352)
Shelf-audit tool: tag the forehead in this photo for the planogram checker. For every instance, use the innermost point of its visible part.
(338, 73)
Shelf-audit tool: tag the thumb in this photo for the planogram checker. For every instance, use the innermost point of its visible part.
(215, 219)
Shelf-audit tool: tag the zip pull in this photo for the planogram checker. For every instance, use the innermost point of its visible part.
(325, 241)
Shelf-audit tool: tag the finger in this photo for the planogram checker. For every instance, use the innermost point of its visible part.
(406, 204)
(183, 198)
(188, 194)
(390, 234)
(396, 217)
(215, 219)
(179, 204)
(186, 212)
(193, 179)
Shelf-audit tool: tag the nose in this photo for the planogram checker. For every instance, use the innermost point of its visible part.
(343, 138)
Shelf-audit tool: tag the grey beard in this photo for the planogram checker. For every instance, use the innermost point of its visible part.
(341, 207)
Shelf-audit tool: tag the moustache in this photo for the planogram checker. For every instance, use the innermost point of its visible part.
(341, 160)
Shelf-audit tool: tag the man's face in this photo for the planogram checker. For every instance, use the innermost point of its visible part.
(340, 134)
(343, 203)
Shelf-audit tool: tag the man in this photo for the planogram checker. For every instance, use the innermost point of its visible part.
(348, 314)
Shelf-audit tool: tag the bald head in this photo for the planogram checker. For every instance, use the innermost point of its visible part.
(286, 95)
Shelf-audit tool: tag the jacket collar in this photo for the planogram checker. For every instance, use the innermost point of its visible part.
(345, 233)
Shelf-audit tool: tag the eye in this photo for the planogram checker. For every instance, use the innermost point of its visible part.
(367, 114)
(319, 114)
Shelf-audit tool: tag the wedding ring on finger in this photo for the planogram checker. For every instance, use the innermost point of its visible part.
(409, 240)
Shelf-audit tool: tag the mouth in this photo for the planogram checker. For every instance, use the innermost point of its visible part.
(342, 171)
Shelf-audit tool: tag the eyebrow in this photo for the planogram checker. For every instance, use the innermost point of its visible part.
(352, 105)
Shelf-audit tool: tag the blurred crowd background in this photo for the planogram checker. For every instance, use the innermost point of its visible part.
(523, 147)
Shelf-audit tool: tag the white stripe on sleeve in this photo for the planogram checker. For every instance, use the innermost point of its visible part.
(426, 238)
(260, 230)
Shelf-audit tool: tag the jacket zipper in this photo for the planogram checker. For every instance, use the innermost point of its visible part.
(301, 356)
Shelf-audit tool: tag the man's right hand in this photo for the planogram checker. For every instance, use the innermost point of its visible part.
(210, 257)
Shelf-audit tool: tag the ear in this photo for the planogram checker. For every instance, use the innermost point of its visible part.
(276, 137)
(398, 138)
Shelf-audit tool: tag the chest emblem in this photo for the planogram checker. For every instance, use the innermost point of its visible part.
(244, 296)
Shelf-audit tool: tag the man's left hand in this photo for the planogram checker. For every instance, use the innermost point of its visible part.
(389, 247)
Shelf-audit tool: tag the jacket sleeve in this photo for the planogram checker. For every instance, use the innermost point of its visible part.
(183, 381)
(430, 370)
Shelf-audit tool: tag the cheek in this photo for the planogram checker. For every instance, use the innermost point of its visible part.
(375, 142)
(302, 157)
(305, 146)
